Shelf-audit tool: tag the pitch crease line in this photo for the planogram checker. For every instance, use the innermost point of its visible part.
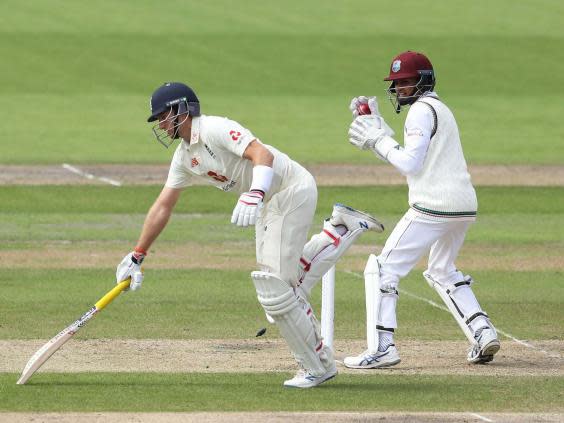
(441, 307)
(87, 175)
(485, 419)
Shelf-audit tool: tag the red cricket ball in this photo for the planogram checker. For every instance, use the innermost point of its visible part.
(363, 109)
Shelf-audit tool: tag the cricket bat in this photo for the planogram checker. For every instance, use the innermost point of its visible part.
(47, 350)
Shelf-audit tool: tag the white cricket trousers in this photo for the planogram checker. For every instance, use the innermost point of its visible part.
(413, 237)
(283, 226)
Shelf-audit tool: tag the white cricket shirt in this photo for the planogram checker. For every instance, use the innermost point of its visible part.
(214, 154)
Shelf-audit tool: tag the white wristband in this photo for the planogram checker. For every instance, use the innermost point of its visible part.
(262, 178)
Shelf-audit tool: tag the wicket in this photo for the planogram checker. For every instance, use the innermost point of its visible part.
(328, 306)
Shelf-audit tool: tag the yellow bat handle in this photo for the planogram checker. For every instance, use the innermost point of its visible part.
(111, 295)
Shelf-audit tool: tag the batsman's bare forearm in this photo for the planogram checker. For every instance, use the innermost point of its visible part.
(157, 217)
(258, 154)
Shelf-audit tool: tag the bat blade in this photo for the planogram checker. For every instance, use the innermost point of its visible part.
(47, 350)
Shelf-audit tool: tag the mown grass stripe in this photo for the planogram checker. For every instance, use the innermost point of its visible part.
(264, 392)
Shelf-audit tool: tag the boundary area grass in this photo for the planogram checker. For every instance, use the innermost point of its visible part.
(137, 199)
(254, 392)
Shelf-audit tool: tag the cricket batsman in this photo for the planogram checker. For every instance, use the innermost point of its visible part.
(442, 205)
(277, 197)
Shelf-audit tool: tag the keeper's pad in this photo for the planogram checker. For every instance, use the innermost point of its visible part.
(296, 322)
(462, 304)
(381, 303)
(322, 252)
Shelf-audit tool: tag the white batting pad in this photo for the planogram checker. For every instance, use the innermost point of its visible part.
(322, 252)
(462, 304)
(296, 322)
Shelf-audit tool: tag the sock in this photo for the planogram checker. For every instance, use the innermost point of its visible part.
(385, 339)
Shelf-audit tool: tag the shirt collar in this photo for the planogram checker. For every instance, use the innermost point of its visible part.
(194, 132)
(431, 94)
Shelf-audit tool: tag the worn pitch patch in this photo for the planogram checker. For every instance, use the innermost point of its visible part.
(331, 174)
(266, 354)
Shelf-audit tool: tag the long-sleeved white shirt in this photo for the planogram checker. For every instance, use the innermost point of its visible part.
(418, 130)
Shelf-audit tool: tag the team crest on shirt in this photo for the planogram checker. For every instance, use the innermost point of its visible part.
(414, 132)
(396, 65)
(235, 135)
(194, 162)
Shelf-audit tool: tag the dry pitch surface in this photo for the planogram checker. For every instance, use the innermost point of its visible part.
(540, 358)
(326, 175)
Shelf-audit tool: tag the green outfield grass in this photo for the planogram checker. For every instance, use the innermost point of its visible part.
(137, 199)
(256, 392)
(83, 216)
(84, 79)
(76, 80)
(197, 304)
(38, 213)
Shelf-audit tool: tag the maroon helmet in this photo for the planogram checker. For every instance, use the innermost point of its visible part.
(410, 64)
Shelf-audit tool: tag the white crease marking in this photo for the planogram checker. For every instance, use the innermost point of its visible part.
(87, 175)
(485, 419)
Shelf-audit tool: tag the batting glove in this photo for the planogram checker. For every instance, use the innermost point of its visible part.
(130, 267)
(369, 132)
(248, 208)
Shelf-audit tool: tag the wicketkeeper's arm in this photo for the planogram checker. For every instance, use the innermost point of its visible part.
(418, 131)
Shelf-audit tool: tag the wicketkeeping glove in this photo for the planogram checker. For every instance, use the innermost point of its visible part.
(248, 208)
(357, 101)
(373, 106)
(130, 267)
(367, 132)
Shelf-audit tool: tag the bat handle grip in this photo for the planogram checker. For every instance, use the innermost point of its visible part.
(110, 296)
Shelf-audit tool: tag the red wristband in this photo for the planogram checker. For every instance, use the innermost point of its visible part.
(140, 250)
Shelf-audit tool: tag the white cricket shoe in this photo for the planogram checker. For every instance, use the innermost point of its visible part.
(488, 345)
(372, 360)
(353, 219)
(304, 379)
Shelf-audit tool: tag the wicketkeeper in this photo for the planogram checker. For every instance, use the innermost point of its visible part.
(277, 196)
(442, 204)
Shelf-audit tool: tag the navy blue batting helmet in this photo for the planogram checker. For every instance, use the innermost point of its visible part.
(174, 95)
